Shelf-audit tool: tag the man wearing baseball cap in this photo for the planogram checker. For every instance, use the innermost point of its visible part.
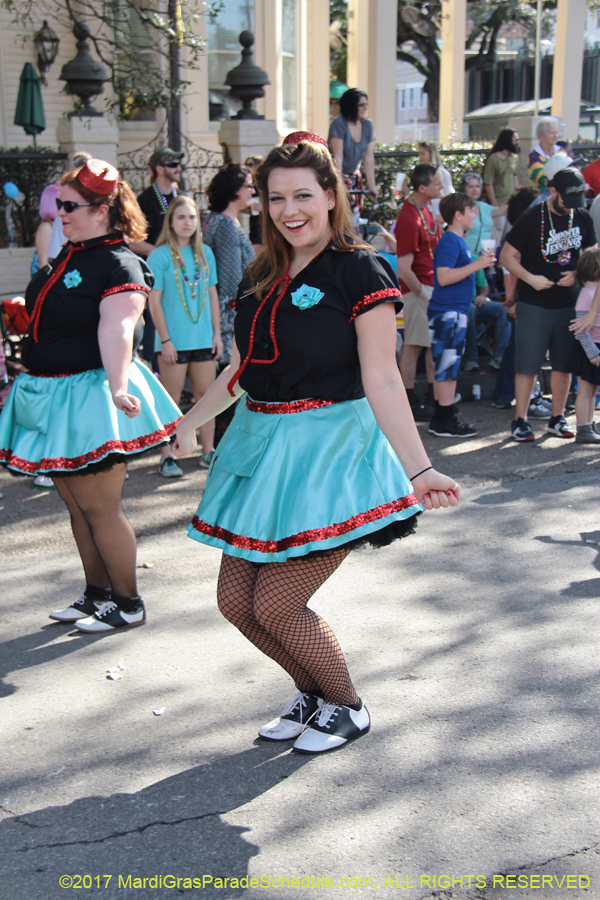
(165, 171)
(542, 250)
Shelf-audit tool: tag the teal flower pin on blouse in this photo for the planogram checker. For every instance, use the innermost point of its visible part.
(72, 279)
(306, 296)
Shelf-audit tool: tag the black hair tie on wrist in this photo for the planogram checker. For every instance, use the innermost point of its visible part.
(166, 342)
(421, 472)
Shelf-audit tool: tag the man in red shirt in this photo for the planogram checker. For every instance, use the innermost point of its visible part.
(417, 232)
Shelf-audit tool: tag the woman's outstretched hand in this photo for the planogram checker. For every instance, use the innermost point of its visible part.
(185, 442)
(128, 403)
(436, 491)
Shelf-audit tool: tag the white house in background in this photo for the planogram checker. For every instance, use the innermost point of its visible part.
(411, 105)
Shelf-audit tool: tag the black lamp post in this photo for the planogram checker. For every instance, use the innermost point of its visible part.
(247, 80)
(46, 41)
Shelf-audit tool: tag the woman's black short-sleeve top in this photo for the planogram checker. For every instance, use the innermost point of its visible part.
(76, 282)
(311, 330)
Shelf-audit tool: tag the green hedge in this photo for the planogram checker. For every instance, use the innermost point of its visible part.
(405, 158)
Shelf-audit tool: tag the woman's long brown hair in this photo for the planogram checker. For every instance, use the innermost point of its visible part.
(274, 261)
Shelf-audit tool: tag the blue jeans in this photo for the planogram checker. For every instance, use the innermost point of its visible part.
(504, 390)
(492, 311)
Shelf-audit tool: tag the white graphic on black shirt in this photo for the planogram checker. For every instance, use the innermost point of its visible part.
(559, 242)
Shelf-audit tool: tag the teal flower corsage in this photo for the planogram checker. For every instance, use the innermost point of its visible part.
(72, 279)
(306, 296)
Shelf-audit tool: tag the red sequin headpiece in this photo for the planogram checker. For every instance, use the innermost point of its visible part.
(296, 136)
(98, 176)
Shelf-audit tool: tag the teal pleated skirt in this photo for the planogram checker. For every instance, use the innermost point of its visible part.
(285, 483)
(69, 423)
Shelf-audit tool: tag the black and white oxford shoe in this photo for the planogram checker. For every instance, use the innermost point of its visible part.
(110, 617)
(332, 727)
(298, 713)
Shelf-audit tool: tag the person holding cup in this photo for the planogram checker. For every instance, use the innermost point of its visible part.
(454, 285)
(480, 240)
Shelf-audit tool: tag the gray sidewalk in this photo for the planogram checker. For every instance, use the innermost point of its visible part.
(473, 643)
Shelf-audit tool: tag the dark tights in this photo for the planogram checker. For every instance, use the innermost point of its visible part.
(102, 532)
(268, 604)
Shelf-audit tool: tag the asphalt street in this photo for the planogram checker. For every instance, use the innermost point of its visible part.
(473, 644)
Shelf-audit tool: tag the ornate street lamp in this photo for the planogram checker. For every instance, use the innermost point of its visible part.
(46, 41)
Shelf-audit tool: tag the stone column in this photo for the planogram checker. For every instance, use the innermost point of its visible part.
(248, 137)
(372, 27)
(568, 64)
(317, 67)
(452, 74)
(98, 135)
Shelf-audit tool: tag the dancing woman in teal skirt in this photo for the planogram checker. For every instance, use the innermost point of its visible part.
(317, 456)
(85, 406)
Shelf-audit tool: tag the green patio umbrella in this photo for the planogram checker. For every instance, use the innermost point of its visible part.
(30, 106)
(336, 89)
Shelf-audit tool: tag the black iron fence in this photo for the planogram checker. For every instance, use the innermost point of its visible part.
(31, 171)
(199, 166)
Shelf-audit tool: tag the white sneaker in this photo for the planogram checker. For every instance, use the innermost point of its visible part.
(43, 482)
(333, 727)
(471, 366)
(111, 618)
(301, 709)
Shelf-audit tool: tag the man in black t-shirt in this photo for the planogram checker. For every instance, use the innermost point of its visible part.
(165, 172)
(542, 250)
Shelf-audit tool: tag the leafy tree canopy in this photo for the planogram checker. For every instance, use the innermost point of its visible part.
(419, 24)
(132, 38)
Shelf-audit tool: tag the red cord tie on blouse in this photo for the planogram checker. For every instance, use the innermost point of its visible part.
(286, 280)
(39, 302)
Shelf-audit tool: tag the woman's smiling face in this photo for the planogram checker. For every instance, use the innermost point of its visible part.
(299, 207)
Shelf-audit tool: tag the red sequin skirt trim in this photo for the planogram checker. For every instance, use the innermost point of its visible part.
(305, 537)
(58, 374)
(287, 407)
(78, 462)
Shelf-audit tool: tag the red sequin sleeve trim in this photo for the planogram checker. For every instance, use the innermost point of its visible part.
(305, 537)
(284, 408)
(384, 294)
(61, 463)
(126, 287)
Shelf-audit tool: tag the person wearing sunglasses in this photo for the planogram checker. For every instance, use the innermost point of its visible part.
(352, 140)
(164, 167)
(86, 404)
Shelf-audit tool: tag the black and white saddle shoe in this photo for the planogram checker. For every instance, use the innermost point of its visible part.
(111, 618)
(301, 709)
(79, 609)
(333, 727)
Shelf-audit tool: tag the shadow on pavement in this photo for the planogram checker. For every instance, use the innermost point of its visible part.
(174, 827)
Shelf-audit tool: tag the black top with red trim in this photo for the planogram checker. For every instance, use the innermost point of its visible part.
(64, 300)
(315, 347)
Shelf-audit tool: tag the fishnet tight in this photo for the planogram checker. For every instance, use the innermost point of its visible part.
(103, 534)
(268, 604)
